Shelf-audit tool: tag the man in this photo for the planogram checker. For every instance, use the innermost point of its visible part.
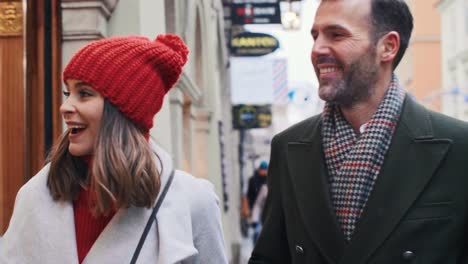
(376, 178)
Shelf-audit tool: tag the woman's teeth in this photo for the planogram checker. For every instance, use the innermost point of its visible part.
(76, 129)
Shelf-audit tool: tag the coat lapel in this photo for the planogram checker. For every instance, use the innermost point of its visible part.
(307, 169)
(120, 238)
(50, 225)
(60, 222)
(169, 240)
(412, 159)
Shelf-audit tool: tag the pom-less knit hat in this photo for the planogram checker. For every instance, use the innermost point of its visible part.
(133, 73)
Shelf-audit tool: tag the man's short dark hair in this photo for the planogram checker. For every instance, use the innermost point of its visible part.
(392, 15)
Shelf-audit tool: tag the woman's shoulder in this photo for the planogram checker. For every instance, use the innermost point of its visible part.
(199, 192)
(192, 185)
(36, 186)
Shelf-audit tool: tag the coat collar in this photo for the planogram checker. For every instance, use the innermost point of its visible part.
(401, 180)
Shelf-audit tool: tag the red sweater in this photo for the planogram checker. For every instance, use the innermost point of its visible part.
(87, 227)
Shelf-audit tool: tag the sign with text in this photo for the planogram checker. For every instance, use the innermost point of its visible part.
(253, 44)
(251, 116)
(255, 12)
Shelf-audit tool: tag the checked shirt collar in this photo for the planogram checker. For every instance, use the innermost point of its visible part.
(354, 162)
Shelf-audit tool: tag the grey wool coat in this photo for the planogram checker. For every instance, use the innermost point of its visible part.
(188, 228)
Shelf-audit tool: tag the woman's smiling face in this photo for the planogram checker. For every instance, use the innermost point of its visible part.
(82, 112)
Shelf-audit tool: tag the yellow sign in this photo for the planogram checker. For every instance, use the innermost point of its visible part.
(11, 19)
(251, 116)
(242, 42)
(253, 44)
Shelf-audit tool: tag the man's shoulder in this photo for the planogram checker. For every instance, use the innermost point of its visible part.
(298, 130)
(441, 125)
(448, 126)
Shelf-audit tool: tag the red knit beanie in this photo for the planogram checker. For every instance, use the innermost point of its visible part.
(133, 73)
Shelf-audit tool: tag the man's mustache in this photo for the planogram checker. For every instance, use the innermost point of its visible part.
(327, 59)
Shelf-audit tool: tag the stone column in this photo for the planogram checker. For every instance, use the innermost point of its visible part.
(82, 22)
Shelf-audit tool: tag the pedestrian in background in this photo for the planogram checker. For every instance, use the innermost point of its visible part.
(376, 178)
(255, 183)
(253, 187)
(257, 211)
(94, 199)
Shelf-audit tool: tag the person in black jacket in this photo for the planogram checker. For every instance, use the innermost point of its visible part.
(376, 178)
(255, 183)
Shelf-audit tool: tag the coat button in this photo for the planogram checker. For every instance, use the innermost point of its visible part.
(299, 249)
(408, 255)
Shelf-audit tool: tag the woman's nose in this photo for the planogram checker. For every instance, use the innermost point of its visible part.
(67, 107)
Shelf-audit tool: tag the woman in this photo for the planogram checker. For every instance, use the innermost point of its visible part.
(92, 201)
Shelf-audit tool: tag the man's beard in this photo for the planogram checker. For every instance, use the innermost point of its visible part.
(358, 82)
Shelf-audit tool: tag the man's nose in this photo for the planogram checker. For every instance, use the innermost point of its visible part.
(319, 48)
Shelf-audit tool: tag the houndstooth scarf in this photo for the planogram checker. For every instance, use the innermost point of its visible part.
(354, 162)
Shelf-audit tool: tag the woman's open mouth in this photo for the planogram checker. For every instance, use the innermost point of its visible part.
(76, 131)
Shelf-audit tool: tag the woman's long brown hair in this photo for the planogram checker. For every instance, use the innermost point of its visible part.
(123, 172)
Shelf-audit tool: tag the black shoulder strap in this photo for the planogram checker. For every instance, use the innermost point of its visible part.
(151, 219)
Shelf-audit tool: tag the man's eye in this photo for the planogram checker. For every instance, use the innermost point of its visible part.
(66, 93)
(337, 35)
(314, 35)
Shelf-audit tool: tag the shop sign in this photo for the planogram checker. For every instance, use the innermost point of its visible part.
(251, 116)
(255, 12)
(253, 44)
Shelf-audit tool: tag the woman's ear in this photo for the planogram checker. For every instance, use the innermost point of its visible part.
(389, 44)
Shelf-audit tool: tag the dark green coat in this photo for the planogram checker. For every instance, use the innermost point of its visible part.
(417, 212)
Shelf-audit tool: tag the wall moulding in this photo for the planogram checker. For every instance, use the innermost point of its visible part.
(11, 18)
(105, 6)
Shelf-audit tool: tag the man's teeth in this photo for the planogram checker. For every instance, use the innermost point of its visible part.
(328, 70)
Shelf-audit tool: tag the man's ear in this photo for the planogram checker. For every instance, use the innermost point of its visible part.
(389, 44)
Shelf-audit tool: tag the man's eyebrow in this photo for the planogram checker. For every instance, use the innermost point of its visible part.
(335, 27)
(329, 28)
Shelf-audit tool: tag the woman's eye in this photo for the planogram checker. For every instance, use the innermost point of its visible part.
(66, 93)
(84, 93)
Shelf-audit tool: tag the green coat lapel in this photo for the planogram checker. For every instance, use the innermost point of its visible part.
(412, 159)
(310, 182)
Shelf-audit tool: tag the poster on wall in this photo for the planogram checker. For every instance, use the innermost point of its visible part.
(259, 80)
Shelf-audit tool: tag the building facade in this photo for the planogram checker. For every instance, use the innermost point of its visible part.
(454, 24)
(30, 67)
(420, 70)
(194, 124)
